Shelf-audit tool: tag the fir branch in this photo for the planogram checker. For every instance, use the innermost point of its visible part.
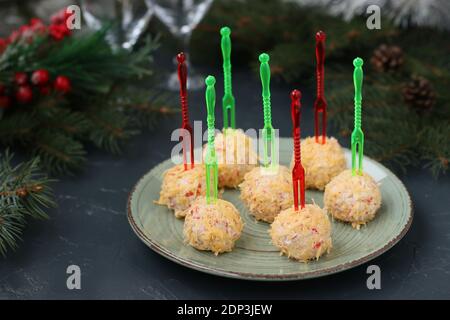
(99, 109)
(150, 113)
(109, 128)
(59, 152)
(17, 57)
(24, 191)
(144, 108)
(98, 70)
(70, 122)
(434, 142)
(17, 127)
(11, 224)
(89, 61)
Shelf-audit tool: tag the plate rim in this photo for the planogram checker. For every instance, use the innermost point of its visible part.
(268, 277)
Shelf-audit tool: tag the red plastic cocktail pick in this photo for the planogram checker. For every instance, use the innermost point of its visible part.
(182, 76)
(320, 105)
(298, 172)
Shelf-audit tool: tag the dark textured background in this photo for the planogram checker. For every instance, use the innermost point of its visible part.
(90, 229)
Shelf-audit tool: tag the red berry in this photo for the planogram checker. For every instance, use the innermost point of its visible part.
(23, 28)
(59, 17)
(14, 36)
(26, 32)
(62, 84)
(24, 94)
(36, 22)
(40, 77)
(21, 78)
(37, 26)
(3, 44)
(57, 31)
(44, 90)
(5, 102)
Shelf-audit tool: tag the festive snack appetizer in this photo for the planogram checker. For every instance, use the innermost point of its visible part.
(235, 156)
(235, 151)
(181, 187)
(323, 159)
(266, 194)
(183, 184)
(266, 190)
(301, 232)
(212, 224)
(354, 196)
(212, 227)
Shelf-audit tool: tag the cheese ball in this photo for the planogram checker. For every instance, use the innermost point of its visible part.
(235, 157)
(212, 227)
(352, 198)
(302, 235)
(267, 193)
(182, 187)
(322, 162)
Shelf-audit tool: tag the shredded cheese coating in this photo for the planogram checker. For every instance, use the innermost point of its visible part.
(266, 193)
(212, 227)
(302, 235)
(322, 162)
(235, 156)
(355, 199)
(182, 187)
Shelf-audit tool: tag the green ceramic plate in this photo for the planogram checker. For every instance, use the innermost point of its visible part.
(254, 258)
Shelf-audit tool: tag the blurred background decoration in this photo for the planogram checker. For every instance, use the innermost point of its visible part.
(61, 90)
(128, 19)
(181, 17)
(407, 69)
(404, 13)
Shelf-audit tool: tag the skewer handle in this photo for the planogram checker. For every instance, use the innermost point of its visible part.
(268, 131)
(298, 172)
(182, 77)
(228, 102)
(357, 134)
(211, 160)
(320, 105)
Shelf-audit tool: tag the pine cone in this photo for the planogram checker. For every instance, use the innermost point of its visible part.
(419, 93)
(387, 58)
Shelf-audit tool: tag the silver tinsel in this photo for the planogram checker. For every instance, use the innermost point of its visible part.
(405, 13)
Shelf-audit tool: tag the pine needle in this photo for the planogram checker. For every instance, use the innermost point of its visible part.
(24, 191)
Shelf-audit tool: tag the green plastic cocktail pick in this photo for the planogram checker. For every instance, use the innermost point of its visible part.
(211, 160)
(268, 131)
(228, 103)
(357, 134)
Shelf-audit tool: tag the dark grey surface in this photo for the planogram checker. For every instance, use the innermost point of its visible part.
(90, 229)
